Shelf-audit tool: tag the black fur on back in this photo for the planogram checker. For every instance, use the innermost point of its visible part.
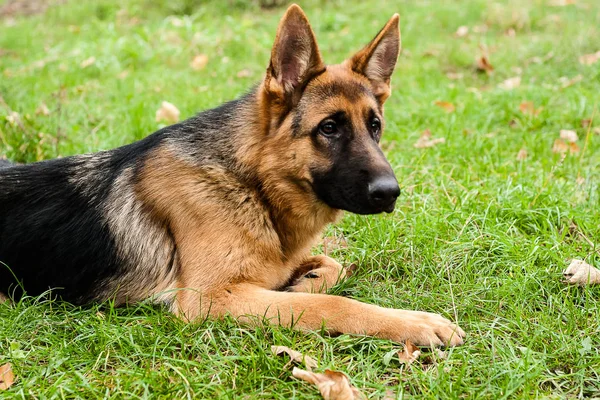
(53, 228)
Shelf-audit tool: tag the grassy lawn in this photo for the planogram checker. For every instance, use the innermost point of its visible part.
(479, 234)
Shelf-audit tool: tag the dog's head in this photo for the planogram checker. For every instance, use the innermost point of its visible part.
(328, 120)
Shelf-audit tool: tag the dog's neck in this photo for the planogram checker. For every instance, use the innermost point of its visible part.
(298, 215)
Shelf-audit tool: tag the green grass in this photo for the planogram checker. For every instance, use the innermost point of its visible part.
(477, 236)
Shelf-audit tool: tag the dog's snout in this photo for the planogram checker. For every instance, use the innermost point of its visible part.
(383, 192)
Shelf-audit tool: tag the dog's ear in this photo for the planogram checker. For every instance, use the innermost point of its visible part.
(377, 60)
(295, 57)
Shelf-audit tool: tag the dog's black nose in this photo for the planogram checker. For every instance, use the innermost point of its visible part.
(383, 192)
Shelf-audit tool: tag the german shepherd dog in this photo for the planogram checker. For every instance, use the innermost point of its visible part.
(216, 215)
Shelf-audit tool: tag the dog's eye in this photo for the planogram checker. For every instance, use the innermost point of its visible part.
(328, 128)
(375, 125)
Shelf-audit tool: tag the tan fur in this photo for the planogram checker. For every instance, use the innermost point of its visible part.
(235, 245)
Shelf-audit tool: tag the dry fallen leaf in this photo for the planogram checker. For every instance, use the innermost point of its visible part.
(87, 62)
(199, 62)
(7, 376)
(483, 65)
(511, 83)
(42, 109)
(561, 147)
(167, 112)
(568, 135)
(296, 356)
(462, 31)
(522, 154)
(589, 59)
(527, 107)
(425, 140)
(409, 354)
(446, 105)
(586, 123)
(333, 385)
(581, 273)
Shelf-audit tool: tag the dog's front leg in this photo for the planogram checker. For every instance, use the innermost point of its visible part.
(251, 303)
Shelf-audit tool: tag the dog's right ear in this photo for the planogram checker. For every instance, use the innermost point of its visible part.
(295, 57)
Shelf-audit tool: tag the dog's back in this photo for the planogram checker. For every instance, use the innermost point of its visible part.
(80, 226)
(5, 163)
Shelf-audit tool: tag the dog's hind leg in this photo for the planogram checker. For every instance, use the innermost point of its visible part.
(318, 274)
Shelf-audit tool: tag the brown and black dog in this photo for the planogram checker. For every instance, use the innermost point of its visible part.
(217, 215)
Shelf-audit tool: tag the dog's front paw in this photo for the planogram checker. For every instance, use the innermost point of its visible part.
(319, 274)
(426, 329)
(581, 273)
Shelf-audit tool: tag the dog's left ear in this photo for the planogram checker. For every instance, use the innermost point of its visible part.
(295, 57)
(377, 60)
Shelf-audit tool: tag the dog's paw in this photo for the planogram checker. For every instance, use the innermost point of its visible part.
(426, 329)
(321, 274)
(581, 273)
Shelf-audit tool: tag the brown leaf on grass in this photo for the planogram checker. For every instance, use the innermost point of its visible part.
(568, 135)
(167, 112)
(295, 356)
(88, 62)
(425, 140)
(462, 31)
(7, 376)
(581, 273)
(445, 105)
(199, 62)
(511, 83)
(333, 385)
(409, 354)
(42, 110)
(589, 59)
(527, 107)
(332, 243)
(562, 147)
(522, 154)
(586, 123)
(482, 64)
